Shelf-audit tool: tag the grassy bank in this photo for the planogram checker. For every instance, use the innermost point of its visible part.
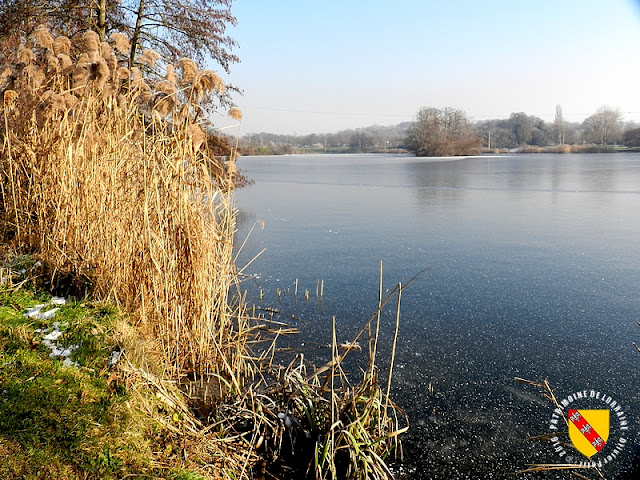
(71, 421)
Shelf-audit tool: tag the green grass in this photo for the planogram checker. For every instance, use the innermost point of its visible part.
(69, 422)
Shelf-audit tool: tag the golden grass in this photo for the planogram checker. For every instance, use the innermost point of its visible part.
(106, 178)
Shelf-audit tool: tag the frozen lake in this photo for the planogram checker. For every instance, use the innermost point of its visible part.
(534, 272)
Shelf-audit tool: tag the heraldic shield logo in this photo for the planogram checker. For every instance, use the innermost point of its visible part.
(588, 430)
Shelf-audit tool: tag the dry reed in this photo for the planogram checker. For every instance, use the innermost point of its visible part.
(105, 183)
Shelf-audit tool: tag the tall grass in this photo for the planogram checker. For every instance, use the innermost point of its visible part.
(105, 175)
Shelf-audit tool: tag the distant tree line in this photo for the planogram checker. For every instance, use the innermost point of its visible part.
(605, 127)
(375, 138)
(448, 131)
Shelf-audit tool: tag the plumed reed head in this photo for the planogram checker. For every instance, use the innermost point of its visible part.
(91, 42)
(70, 100)
(83, 61)
(25, 55)
(123, 73)
(43, 38)
(53, 65)
(206, 82)
(80, 77)
(100, 72)
(110, 90)
(10, 99)
(50, 104)
(137, 81)
(62, 45)
(147, 95)
(197, 135)
(235, 113)
(136, 75)
(164, 104)
(106, 51)
(65, 61)
(185, 113)
(120, 42)
(189, 69)
(7, 79)
(149, 57)
(166, 87)
(232, 169)
(171, 75)
(35, 75)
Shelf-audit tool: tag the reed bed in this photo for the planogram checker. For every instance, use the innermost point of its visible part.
(314, 422)
(106, 176)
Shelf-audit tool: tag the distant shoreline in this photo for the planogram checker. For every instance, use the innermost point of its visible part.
(557, 149)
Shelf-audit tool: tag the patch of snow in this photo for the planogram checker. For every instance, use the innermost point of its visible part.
(52, 334)
(113, 360)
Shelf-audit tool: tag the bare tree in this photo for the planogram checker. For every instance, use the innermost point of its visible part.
(183, 28)
(173, 28)
(560, 126)
(442, 132)
(604, 126)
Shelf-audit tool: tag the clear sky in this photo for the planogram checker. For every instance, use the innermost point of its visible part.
(315, 66)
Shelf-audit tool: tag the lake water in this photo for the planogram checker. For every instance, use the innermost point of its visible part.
(534, 272)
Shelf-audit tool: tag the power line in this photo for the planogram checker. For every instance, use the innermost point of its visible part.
(412, 115)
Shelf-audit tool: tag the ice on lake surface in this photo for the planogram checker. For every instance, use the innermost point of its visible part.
(534, 272)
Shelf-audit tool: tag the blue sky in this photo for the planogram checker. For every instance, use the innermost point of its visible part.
(323, 66)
